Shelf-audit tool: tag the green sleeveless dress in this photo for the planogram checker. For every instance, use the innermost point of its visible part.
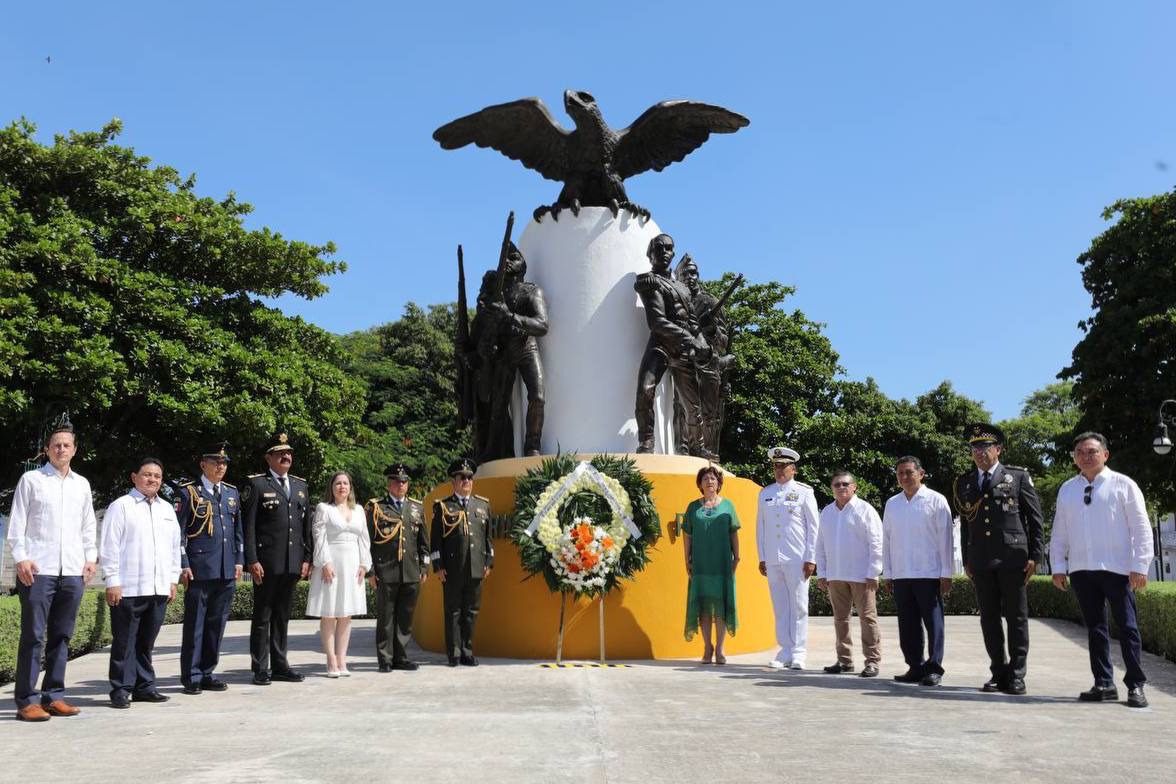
(712, 582)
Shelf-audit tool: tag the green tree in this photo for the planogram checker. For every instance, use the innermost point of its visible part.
(411, 413)
(133, 303)
(783, 373)
(1123, 366)
(1039, 441)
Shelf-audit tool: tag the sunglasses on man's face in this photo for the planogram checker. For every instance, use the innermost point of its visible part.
(842, 484)
(1086, 494)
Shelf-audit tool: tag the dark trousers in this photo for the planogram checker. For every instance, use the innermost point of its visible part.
(48, 612)
(395, 605)
(1094, 590)
(463, 598)
(134, 623)
(272, 601)
(206, 611)
(920, 606)
(1002, 598)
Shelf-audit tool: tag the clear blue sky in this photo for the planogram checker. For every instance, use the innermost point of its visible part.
(923, 174)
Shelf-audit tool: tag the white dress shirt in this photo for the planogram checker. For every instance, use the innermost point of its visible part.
(1112, 533)
(917, 536)
(849, 542)
(52, 522)
(786, 523)
(140, 545)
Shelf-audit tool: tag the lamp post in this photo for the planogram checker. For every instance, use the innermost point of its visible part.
(1161, 443)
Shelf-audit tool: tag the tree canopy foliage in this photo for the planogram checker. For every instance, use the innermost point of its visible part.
(133, 303)
(1125, 363)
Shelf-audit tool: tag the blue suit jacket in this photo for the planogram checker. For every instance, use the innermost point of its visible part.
(212, 539)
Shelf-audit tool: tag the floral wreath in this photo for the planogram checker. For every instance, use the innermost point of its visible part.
(584, 525)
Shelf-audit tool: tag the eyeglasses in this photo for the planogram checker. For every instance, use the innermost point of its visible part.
(1086, 494)
(1087, 452)
(843, 484)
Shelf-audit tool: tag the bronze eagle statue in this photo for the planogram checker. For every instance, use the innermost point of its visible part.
(592, 161)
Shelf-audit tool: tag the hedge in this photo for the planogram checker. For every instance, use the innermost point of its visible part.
(1156, 610)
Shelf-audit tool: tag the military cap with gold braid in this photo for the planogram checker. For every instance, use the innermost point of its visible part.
(983, 433)
(463, 465)
(397, 471)
(280, 443)
(217, 451)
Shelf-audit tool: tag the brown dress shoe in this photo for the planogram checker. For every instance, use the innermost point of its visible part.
(32, 712)
(62, 708)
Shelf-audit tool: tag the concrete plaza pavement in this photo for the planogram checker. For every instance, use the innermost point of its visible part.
(667, 721)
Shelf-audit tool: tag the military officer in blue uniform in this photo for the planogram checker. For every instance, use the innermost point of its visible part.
(276, 511)
(1002, 542)
(400, 563)
(212, 554)
(462, 556)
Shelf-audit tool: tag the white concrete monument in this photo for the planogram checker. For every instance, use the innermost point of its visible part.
(586, 266)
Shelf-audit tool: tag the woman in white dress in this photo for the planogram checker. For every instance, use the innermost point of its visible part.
(342, 556)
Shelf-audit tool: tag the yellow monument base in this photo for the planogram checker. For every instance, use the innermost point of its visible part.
(644, 618)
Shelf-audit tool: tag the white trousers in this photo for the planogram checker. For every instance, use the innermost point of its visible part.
(790, 599)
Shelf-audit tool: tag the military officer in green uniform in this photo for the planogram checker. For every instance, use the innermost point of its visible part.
(400, 563)
(463, 555)
(1002, 542)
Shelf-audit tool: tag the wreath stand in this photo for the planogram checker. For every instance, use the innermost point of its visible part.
(563, 603)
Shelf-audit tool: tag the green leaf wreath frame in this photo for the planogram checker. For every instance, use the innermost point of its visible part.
(534, 556)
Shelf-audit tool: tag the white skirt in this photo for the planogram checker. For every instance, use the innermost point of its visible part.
(344, 596)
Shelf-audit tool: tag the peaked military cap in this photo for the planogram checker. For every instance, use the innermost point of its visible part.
(984, 433)
(280, 443)
(782, 454)
(217, 451)
(397, 471)
(463, 465)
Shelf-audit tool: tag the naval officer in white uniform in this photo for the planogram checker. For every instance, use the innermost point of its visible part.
(786, 535)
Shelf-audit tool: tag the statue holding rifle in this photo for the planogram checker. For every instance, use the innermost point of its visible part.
(500, 343)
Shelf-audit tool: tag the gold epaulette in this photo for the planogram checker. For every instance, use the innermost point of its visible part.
(226, 484)
(374, 501)
(255, 476)
(300, 479)
(416, 500)
(189, 484)
(482, 498)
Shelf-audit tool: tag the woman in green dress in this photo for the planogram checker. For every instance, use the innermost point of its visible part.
(710, 533)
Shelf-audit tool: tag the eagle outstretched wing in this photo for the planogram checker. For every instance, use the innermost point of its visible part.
(669, 131)
(523, 130)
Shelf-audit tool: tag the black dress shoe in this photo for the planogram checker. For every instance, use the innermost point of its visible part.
(149, 696)
(1136, 698)
(405, 665)
(1098, 693)
(1016, 686)
(452, 662)
(119, 701)
(261, 679)
(910, 676)
(385, 668)
(469, 661)
(992, 685)
(192, 688)
(931, 679)
(838, 668)
(289, 676)
(213, 684)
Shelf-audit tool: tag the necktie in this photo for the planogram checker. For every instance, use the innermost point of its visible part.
(984, 486)
(285, 487)
(463, 502)
(216, 494)
(396, 505)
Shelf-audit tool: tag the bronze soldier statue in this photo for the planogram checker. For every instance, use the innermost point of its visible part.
(512, 313)
(713, 327)
(675, 342)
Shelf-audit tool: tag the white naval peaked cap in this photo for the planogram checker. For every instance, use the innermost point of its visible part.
(782, 454)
